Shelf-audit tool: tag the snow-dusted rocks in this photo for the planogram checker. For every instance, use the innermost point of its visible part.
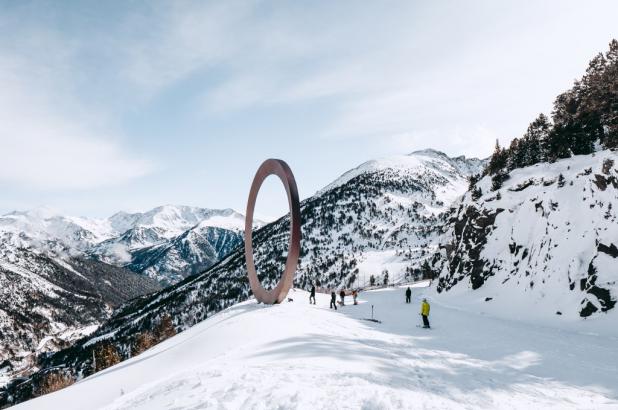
(548, 238)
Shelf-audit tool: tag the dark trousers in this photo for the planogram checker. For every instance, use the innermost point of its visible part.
(425, 321)
(408, 299)
(333, 304)
(312, 299)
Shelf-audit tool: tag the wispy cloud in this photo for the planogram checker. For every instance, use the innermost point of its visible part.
(386, 72)
(47, 141)
(93, 94)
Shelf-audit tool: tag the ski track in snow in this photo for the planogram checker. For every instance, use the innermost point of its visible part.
(297, 355)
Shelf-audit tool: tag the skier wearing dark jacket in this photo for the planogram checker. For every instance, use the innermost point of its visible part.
(342, 296)
(408, 295)
(312, 295)
(333, 299)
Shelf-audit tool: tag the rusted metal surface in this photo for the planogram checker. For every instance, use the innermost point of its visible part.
(282, 170)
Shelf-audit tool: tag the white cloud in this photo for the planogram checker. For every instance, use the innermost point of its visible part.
(464, 74)
(46, 140)
(44, 150)
(179, 38)
(404, 75)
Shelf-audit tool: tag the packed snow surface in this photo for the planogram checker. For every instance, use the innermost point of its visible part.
(297, 355)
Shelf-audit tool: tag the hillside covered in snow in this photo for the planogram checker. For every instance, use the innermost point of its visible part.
(297, 355)
(541, 226)
(48, 302)
(62, 276)
(548, 236)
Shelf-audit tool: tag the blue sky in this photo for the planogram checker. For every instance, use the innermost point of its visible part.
(127, 105)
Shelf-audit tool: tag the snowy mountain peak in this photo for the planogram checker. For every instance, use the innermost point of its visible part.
(419, 164)
(429, 152)
(41, 212)
(176, 218)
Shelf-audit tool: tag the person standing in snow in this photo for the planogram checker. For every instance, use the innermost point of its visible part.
(425, 313)
(342, 296)
(408, 295)
(354, 296)
(333, 299)
(312, 295)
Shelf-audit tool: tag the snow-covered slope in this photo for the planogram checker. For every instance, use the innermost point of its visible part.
(47, 302)
(546, 241)
(297, 355)
(52, 287)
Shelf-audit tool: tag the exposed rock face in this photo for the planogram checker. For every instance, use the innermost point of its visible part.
(551, 231)
(470, 228)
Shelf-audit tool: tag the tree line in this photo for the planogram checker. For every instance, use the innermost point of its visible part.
(584, 119)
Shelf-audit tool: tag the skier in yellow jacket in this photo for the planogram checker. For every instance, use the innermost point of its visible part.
(425, 313)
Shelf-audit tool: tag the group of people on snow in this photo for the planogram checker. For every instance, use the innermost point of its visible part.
(333, 297)
(333, 301)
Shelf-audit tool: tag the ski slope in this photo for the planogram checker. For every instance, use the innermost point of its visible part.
(297, 355)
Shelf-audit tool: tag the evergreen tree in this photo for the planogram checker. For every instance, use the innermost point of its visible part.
(426, 270)
(476, 193)
(536, 140)
(498, 160)
(609, 117)
(514, 155)
(497, 180)
(561, 181)
(472, 180)
(583, 116)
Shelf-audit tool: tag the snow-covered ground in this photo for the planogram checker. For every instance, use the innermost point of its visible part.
(297, 355)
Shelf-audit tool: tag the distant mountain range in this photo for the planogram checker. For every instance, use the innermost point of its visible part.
(166, 243)
(170, 243)
(62, 276)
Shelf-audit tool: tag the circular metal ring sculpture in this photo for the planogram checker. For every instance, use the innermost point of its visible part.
(282, 170)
